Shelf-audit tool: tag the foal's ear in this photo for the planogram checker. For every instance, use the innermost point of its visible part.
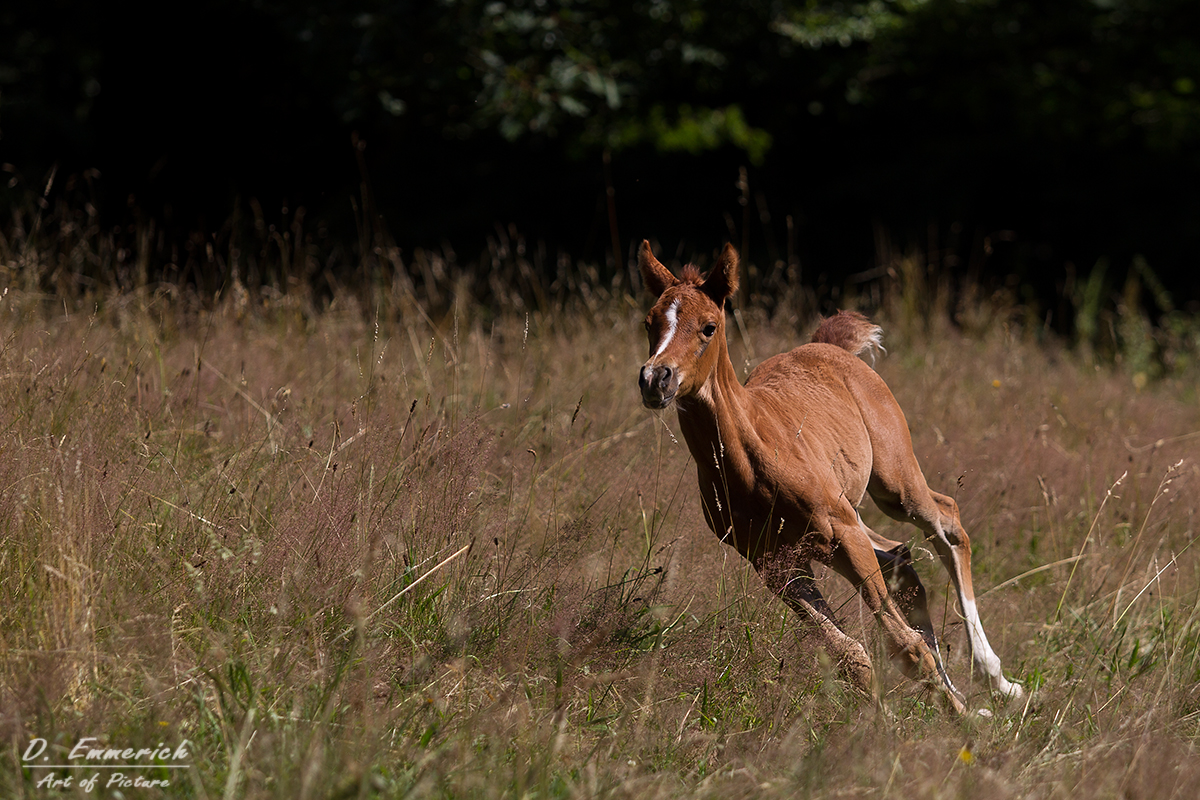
(656, 277)
(722, 281)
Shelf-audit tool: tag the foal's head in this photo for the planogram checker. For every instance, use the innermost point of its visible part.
(688, 317)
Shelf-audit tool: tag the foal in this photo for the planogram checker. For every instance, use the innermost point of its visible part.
(785, 460)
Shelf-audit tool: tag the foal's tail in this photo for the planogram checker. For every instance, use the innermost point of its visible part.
(851, 331)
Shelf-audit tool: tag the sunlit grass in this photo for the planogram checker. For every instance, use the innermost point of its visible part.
(385, 547)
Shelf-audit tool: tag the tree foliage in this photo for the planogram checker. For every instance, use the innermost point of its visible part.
(1076, 122)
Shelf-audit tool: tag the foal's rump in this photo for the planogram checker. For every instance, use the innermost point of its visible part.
(843, 413)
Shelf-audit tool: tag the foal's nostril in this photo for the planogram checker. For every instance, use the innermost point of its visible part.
(664, 377)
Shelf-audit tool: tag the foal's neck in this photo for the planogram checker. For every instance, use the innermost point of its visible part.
(714, 419)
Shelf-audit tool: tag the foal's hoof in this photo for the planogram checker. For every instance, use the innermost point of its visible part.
(1009, 690)
(953, 703)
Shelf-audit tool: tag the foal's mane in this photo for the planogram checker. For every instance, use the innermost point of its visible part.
(691, 275)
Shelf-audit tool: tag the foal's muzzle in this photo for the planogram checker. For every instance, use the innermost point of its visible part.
(658, 383)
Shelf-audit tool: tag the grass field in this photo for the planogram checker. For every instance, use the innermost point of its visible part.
(358, 551)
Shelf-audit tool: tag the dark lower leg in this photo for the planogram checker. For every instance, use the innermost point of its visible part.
(906, 646)
(906, 587)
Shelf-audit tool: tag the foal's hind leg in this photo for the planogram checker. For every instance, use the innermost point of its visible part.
(895, 563)
(937, 516)
(802, 596)
(854, 558)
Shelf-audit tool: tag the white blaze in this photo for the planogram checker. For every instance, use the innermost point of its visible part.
(672, 321)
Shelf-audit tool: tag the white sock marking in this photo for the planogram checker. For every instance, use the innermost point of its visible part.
(985, 657)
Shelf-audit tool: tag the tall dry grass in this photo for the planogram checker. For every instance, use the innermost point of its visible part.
(391, 545)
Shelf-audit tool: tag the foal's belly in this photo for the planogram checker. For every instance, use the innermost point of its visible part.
(760, 521)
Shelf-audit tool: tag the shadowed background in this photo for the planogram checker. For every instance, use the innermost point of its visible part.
(1017, 144)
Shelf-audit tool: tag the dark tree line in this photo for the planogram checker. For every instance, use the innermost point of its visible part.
(1050, 135)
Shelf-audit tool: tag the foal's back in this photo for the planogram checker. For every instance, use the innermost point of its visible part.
(826, 404)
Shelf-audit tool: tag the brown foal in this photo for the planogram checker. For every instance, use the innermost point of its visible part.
(785, 460)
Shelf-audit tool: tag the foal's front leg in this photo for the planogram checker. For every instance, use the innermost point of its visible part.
(800, 592)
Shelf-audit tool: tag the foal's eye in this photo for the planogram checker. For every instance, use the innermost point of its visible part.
(710, 329)
(647, 323)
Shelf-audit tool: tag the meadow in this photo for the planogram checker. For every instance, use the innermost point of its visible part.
(398, 541)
